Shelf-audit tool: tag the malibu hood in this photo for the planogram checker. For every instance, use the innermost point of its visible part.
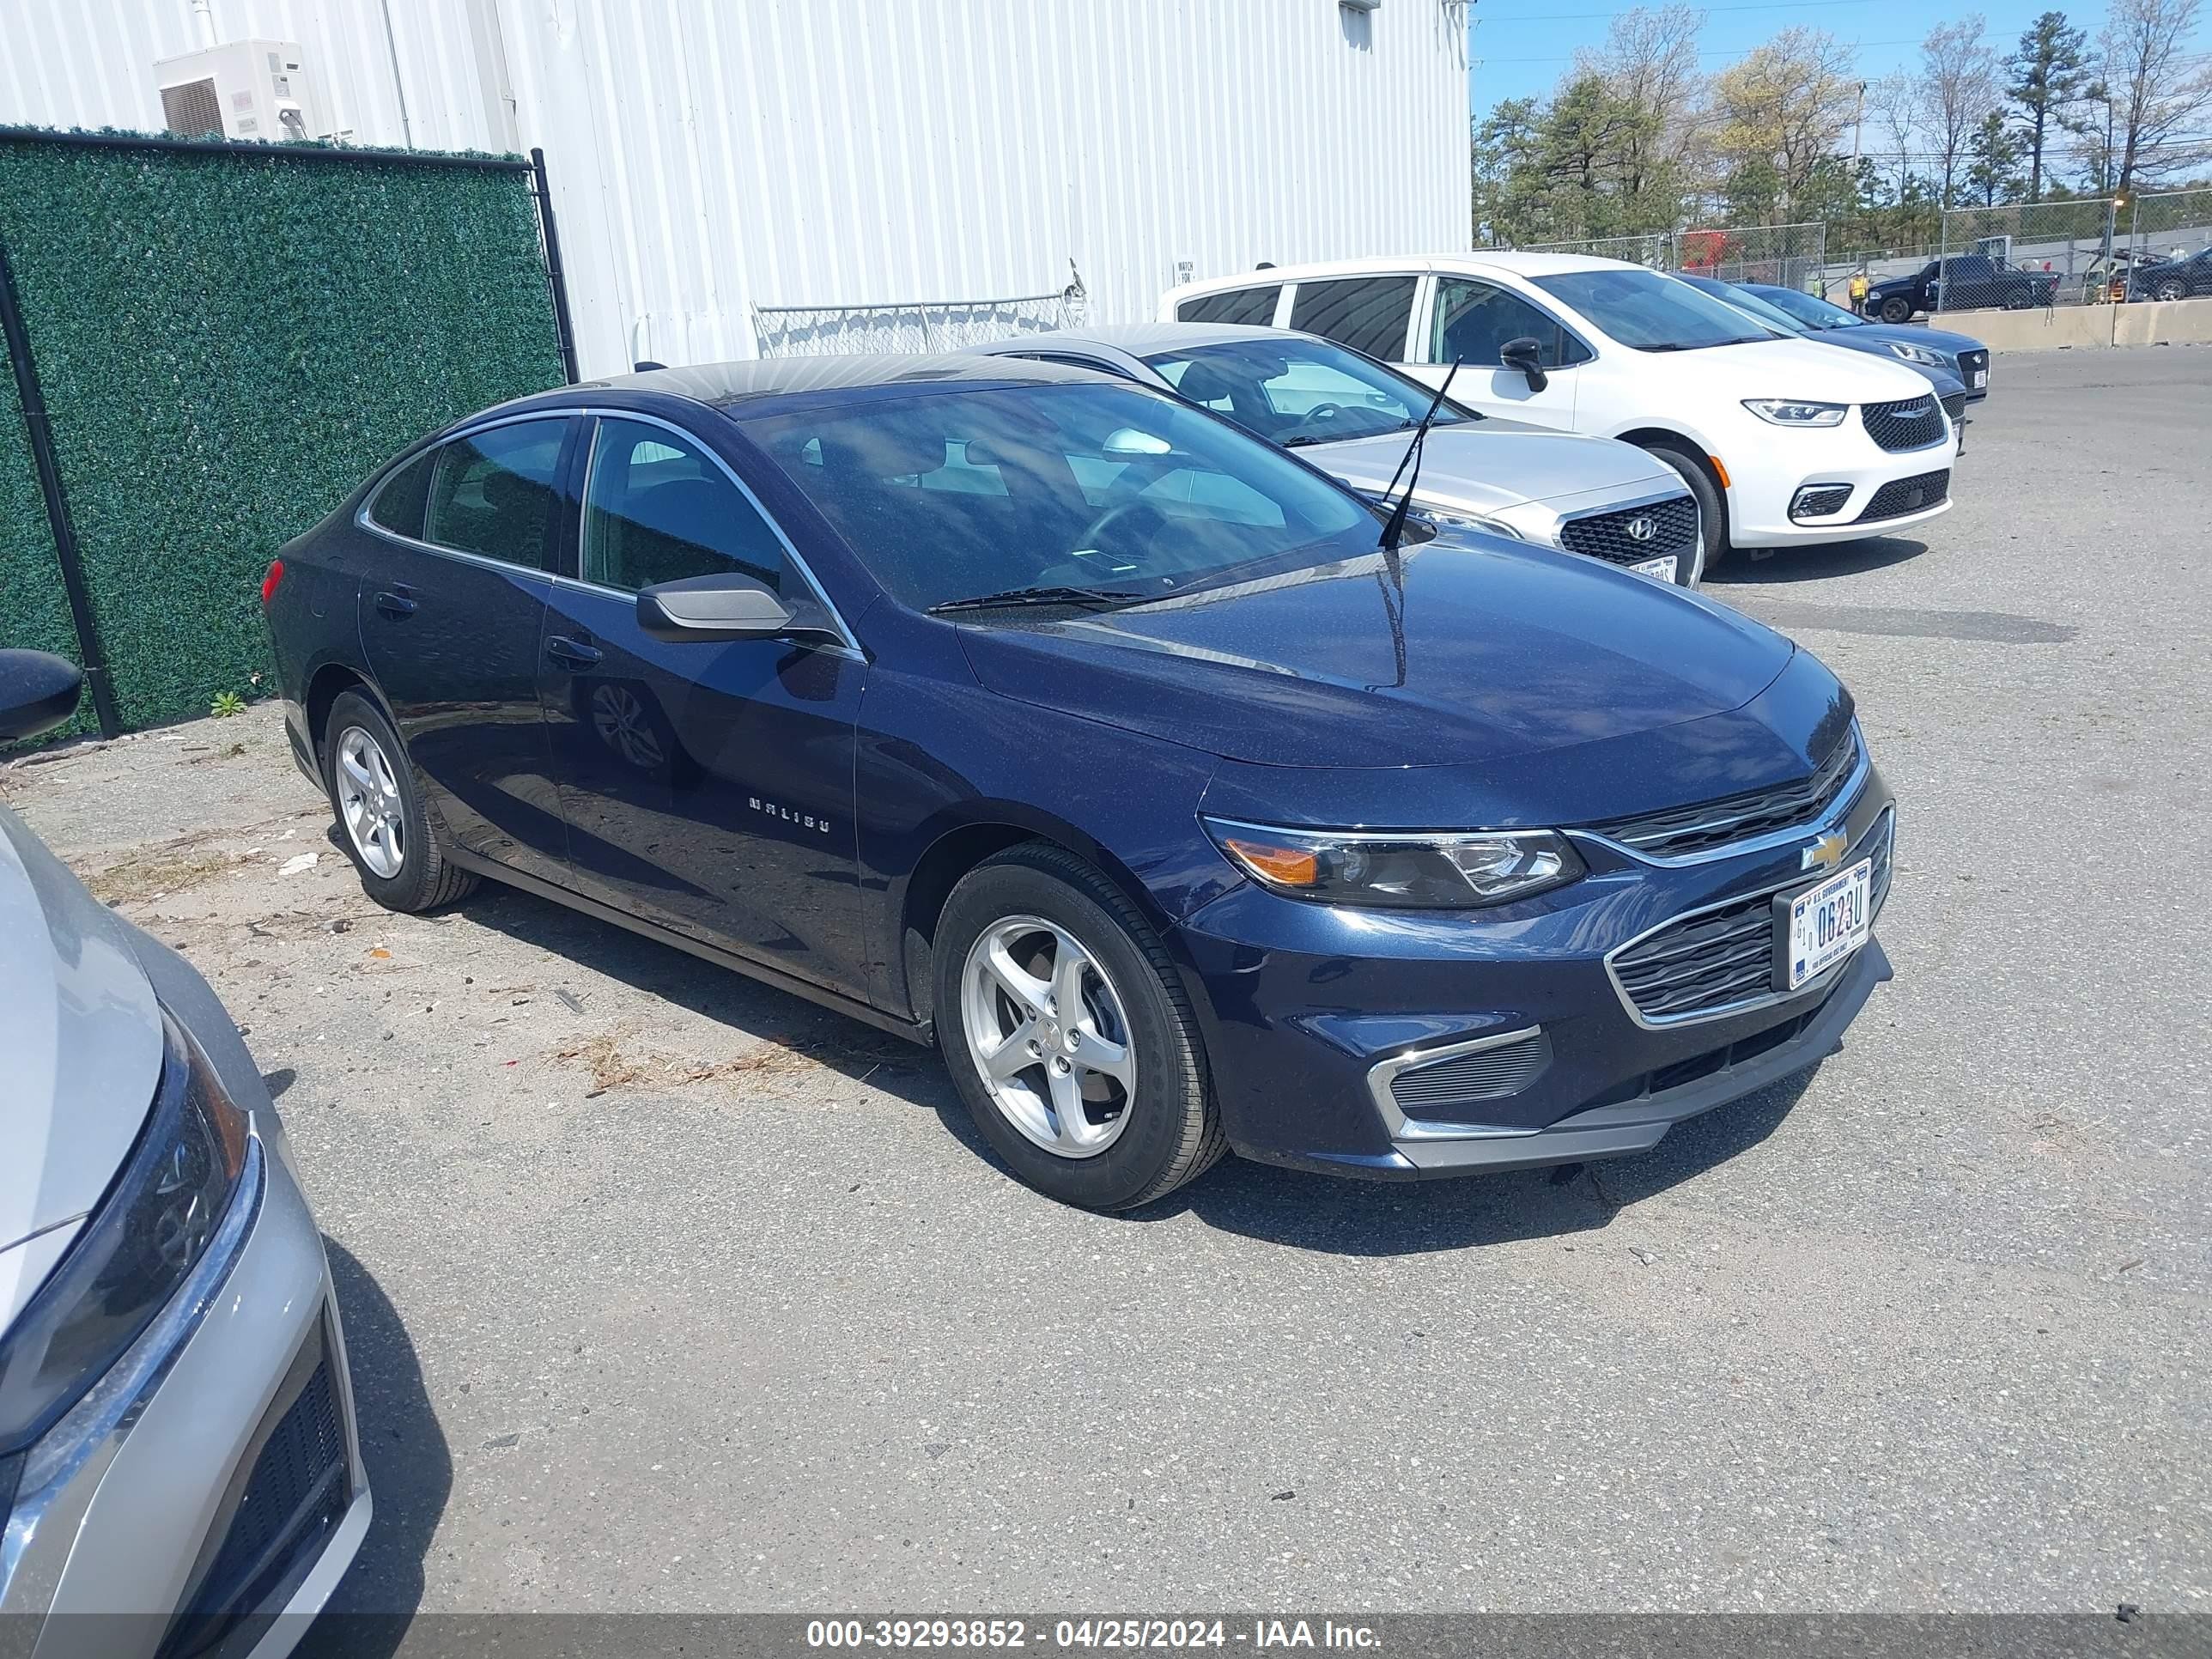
(1474, 650)
(81, 1037)
(1484, 468)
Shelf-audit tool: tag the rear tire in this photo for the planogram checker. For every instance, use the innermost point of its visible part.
(2169, 290)
(1068, 1033)
(378, 809)
(1712, 507)
(2019, 301)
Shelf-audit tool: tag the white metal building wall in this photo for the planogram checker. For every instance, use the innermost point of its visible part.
(710, 155)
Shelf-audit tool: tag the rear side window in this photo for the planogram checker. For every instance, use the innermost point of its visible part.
(1255, 306)
(658, 509)
(493, 494)
(399, 502)
(1368, 314)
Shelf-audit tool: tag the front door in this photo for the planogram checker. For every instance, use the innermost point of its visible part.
(707, 787)
(1469, 323)
(451, 612)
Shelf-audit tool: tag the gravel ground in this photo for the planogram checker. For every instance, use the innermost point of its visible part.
(668, 1293)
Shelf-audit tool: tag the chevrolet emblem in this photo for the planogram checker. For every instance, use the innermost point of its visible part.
(1824, 853)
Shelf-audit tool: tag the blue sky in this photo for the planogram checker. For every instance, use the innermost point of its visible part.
(1509, 34)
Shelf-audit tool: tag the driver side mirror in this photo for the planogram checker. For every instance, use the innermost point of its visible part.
(38, 692)
(722, 607)
(1525, 354)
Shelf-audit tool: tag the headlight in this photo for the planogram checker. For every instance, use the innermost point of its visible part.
(1919, 353)
(148, 1233)
(1470, 521)
(1789, 411)
(1417, 872)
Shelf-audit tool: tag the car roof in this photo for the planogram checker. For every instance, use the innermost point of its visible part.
(1479, 262)
(729, 385)
(1140, 339)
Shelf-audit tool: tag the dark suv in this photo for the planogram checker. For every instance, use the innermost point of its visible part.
(1141, 766)
(1964, 281)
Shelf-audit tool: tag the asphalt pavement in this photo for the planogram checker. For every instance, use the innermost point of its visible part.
(666, 1291)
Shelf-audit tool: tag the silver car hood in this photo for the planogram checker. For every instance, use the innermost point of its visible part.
(79, 1056)
(1485, 470)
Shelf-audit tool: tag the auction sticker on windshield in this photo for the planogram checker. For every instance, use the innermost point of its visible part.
(1661, 569)
(1826, 923)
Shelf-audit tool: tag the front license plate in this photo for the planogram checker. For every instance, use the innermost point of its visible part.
(1824, 924)
(1981, 378)
(1663, 569)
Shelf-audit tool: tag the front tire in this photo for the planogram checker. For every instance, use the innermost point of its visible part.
(1068, 1033)
(1896, 309)
(1712, 507)
(379, 808)
(2169, 290)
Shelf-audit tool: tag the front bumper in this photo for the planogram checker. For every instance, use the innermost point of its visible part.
(1310, 1012)
(209, 1492)
(1760, 498)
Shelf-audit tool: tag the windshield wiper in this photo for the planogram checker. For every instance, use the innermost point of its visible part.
(1393, 531)
(1045, 595)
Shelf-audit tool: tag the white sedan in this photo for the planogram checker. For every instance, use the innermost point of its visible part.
(1782, 441)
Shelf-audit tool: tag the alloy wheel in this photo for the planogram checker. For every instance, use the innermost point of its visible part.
(1047, 1031)
(369, 803)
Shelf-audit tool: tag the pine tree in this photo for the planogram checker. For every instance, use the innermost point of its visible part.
(2050, 72)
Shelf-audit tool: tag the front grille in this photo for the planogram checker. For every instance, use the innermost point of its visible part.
(1724, 956)
(1902, 496)
(1605, 535)
(291, 1502)
(1685, 830)
(1467, 1079)
(1909, 425)
(1970, 364)
(1820, 501)
(1954, 407)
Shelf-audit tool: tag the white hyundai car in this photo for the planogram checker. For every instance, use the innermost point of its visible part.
(1784, 442)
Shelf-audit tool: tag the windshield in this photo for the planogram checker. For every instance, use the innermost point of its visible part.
(955, 494)
(1750, 304)
(1651, 312)
(1810, 312)
(1301, 391)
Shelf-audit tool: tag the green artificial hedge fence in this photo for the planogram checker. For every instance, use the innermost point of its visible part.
(227, 343)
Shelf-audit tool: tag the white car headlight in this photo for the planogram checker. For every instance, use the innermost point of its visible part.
(1795, 412)
(1470, 521)
(1925, 357)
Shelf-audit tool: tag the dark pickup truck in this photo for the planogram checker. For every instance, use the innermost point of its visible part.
(1967, 281)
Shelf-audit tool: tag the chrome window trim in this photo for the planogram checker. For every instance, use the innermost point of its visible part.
(1821, 982)
(1401, 1128)
(847, 644)
(1847, 800)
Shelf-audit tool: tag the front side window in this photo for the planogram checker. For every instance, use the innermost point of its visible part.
(1473, 320)
(1255, 306)
(1647, 312)
(1368, 314)
(1301, 391)
(950, 496)
(494, 493)
(658, 508)
(1813, 311)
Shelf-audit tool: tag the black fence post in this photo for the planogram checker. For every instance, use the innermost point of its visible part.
(57, 513)
(554, 274)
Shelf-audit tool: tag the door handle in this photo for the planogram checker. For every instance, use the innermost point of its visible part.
(572, 653)
(395, 605)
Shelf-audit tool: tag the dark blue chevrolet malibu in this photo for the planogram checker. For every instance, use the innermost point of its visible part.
(1005, 706)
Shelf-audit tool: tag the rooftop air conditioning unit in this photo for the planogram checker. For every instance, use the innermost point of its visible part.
(242, 90)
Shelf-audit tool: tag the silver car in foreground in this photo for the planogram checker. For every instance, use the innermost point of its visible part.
(177, 1451)
(1351, 416)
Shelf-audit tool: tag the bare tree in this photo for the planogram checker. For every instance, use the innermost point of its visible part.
(1650, 64)
(1784, 107)
(1895, 100)
(1958, 86)
(2154, 89)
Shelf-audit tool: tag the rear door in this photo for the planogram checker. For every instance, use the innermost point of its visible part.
(1469, 322)
(450, 618)
(707, 787)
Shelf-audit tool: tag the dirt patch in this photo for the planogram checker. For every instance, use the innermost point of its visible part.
(159, 873)
(613, 1065)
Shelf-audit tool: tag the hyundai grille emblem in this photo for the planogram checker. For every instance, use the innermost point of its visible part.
(1643, 529)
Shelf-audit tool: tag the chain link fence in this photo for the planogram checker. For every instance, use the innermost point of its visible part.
(2167, 238)
(1790, 256)
(915, 326)
(2026, 254)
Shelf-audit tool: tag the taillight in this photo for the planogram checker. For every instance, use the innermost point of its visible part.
(268, 582)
